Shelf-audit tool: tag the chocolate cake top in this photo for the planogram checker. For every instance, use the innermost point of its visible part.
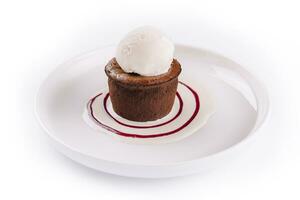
(115, 72)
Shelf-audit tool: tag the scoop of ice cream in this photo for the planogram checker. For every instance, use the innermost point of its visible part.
(145, 51)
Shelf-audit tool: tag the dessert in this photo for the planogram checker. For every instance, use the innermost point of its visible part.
(143, 77)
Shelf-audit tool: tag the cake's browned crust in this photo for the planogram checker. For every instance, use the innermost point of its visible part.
(115, 72)
(142, 98)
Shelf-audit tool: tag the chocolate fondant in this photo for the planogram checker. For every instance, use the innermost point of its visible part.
(142, 98)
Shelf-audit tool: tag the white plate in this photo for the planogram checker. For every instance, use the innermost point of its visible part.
(241, 106)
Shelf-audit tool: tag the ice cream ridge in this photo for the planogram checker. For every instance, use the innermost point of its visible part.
(143, 76)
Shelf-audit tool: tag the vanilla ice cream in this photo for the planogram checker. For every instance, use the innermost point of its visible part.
(145, 51)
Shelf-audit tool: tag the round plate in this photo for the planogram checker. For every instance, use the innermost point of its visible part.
(240, 102)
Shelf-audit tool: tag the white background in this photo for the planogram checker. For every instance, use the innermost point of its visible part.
(36, 36)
